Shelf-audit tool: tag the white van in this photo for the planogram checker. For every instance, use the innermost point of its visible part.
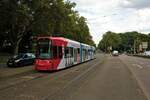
(115, 53)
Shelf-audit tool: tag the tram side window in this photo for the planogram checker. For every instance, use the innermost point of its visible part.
(75, 54)
(89, 52)
(66, 52)
(55, 51)
(71, 52)
(60, 51)
(78, 51)
(86, 54)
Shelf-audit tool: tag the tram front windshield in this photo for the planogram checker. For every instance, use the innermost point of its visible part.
(44, 50)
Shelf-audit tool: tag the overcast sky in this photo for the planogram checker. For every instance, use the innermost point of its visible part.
(115, 15)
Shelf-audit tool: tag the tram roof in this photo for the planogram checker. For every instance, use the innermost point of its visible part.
(60, 38)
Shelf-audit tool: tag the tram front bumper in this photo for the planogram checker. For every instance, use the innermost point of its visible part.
(43, 65)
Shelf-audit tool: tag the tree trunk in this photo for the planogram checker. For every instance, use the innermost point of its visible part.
(16, 46)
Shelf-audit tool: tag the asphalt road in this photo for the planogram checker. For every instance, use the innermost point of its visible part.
(105, 78)
(140, 68)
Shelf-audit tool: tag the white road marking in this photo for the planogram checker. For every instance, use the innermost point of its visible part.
(28, 77)
(137, 65)
(141, 63)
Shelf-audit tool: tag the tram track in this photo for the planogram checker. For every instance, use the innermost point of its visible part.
(39, 85)
(71, 82)
(15, 80)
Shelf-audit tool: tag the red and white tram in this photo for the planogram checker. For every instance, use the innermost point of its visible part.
(54, 53)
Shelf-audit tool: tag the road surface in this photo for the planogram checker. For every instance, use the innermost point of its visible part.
(105, 78)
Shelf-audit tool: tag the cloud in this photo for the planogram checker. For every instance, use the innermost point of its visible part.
(137, 4)
(114, 15)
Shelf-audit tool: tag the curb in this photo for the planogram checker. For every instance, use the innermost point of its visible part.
(142, 56)
(2, 65)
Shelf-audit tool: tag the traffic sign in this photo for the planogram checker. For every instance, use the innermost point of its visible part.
(144, 45)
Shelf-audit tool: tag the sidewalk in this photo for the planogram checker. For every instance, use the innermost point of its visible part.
(139, 55)
(2, 65)
(10, 72)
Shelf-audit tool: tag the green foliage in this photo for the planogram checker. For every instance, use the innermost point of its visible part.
(110, 39)
(21, 19)
(123, 41)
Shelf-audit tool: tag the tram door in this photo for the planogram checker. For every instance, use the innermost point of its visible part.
(68, 56)
(84, 54)
(75, 55)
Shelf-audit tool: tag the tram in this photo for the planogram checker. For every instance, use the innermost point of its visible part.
(55, 53)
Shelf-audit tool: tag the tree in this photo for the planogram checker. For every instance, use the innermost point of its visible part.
(110, 39)
(21, 19)
(130, 41)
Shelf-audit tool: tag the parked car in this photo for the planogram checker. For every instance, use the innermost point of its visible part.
(21, 59)
(147, 53)
(115, 53)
